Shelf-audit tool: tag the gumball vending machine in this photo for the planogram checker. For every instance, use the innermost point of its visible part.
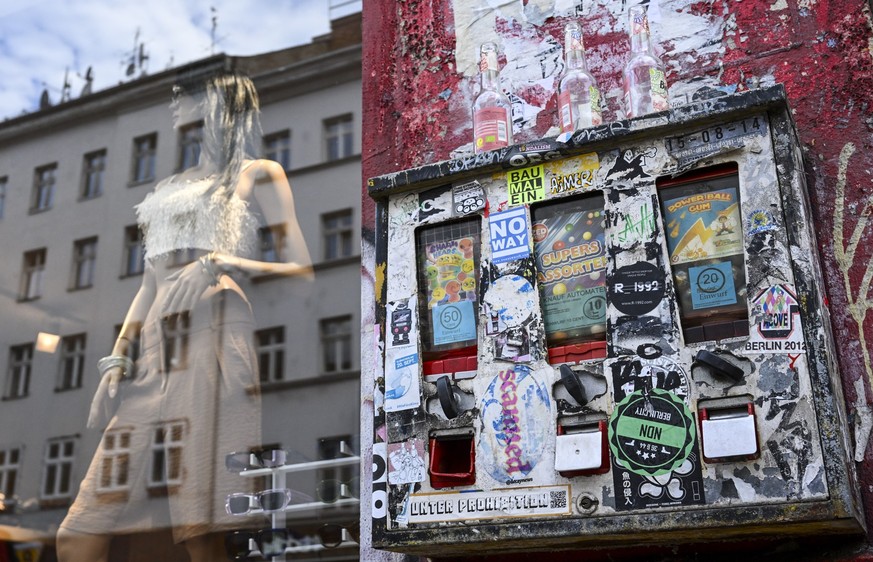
(617, 331)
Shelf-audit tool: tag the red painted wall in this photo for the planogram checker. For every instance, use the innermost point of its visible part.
(416, 111)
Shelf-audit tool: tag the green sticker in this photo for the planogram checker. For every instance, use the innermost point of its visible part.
(651, 433)
(526, 185)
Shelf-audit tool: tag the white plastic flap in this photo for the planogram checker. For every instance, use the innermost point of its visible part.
(729, 437)
(579, 451)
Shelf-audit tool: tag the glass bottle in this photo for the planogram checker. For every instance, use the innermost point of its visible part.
(578, 96)
(492, 121)
(645, 80)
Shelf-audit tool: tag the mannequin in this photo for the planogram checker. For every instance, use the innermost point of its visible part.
(194, 389)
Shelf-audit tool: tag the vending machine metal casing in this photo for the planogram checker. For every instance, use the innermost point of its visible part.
(589, 338)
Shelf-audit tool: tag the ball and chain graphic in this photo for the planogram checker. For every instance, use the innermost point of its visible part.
(651, 432)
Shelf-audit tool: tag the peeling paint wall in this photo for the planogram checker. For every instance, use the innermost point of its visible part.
(420, 86)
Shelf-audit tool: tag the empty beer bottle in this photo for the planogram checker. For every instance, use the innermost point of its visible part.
(645, 81)
(578, 96)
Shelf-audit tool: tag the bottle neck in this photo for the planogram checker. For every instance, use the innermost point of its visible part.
(640, 42)
(575, 60)
(489, 81)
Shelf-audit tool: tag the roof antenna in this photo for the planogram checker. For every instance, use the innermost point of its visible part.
(89, 82)
(65, 90)
(214, 28)
(137, 58)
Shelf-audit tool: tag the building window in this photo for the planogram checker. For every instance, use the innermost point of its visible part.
(84, 259)
(133, 341)
(10, 463)
(336, 344)
(134, 251)
(115, 461)
(190, 137)
(271, 242)
(72, 362)
(166, 458)
(277, 147)
(331, 479)
(271, 353)
(338, 137)
(3, 181)
(43, 188)
(176, 328)
(58, 475)
(18, 374)
(337, 231)
(32, 274)
(92, 174)
(144, 149)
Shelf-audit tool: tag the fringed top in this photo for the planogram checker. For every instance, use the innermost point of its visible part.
(182, 214)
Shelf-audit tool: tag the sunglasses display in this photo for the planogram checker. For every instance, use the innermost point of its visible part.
(267, 500)
(330, 491)
(269, 542)
(239, 461)
(331, 535)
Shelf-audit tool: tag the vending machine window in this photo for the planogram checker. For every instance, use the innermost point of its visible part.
(571, 274)
(705, 241)
(447, 259)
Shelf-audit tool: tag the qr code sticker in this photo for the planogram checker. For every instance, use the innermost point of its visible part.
(558, 499)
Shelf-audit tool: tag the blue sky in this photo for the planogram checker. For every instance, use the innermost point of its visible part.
(41, 39)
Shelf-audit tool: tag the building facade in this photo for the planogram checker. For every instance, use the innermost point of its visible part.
(70, 176)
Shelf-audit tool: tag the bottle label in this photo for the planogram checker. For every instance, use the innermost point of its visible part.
(488, 61)
(491, 128)
(573, 40)
(596, 112)
(566, 112)
(659, 89)
(639, 23)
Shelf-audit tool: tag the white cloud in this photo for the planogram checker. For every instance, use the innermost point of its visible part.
(40, 39)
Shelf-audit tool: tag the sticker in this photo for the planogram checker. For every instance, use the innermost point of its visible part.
(380, 481)
(513, 345)
(687, 149)
(703, 226)
(712, 285)
(777, 326)
(643, 374)
(453, 322)
(467, 198)
(494, 504)
(433, 202)
(651, 433)
(406, 462)
(572, 174)
(448, 265)
(402, 387)
(525, 186)
(629, 164)
(515, 415)
(760, 221)
(636, 289)
(571, 270)
(512, 299)
(509, 235)
(401, 324)
(634, 224)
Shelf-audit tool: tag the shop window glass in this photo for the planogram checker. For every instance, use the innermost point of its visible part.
(571, 275)
(705, 240)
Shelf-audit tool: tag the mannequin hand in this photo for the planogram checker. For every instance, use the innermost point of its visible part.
(188, 284)
(106, 390)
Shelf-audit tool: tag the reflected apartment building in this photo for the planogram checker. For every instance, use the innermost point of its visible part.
(72, 258)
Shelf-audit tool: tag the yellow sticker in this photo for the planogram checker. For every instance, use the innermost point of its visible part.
(526, 185)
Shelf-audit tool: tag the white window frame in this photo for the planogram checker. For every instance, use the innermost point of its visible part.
(10, 468)
(271, 241)
(190, 142)
(339, 141)
(337, 234)
(72, 363)
(32, 274)
(177, 328)
(145, 149)
(277, 147)
(84, 263)
(4, 181)
(115, 461)
(337, 344)
(93, 170)
(43, 188)
(134, 252)
(168, 440)
(270, 344)
(18, 371)
(58, 467)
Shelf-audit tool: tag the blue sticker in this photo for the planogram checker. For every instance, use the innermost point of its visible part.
(509, 238)
(712, 285)
(406, 361)
(453, 322)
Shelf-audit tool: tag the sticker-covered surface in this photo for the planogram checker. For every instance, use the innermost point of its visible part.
(406, 462)
(515, 415)
(496, 504)
(777, 327)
